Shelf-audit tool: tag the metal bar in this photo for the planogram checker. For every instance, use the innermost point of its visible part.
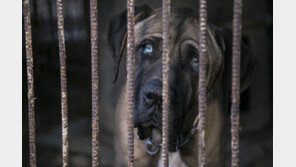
(30, 82)
(63, 75)
(235, 89)
(94, 82)
(165, 82)
(130, 79)
(202, 82)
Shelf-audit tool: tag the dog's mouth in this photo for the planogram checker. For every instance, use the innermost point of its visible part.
(148, 115)
(148, 121)
(149, 118)
(153, 135)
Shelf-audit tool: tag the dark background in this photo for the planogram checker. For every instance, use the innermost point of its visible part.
(256, 102)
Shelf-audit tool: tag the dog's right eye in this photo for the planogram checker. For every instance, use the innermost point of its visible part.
(146, 49)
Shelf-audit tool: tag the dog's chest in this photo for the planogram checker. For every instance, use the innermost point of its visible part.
(175, 160)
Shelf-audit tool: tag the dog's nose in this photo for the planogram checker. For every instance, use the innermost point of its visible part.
(152, 98)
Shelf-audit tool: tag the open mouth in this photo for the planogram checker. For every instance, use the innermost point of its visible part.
(146, 129)
(150, 129)
(153, 143)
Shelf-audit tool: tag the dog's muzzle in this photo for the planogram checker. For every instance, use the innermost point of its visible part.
(148, 113)
(150, 104)
(148, 118)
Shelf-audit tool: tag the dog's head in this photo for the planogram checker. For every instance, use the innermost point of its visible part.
(184, 66)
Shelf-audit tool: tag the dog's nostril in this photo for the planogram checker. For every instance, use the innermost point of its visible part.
(148, 98)
(152, 98)
(150, 95)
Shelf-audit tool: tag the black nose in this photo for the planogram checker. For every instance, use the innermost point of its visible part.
(152, 98)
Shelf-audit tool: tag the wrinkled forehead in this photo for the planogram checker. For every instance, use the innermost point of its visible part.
(183, 29)
(181, 26)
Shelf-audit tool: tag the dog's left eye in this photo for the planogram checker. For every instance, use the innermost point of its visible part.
(146, 49)
(194, 63)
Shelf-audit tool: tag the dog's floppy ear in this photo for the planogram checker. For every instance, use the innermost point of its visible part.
(249, 62)
(117, 33)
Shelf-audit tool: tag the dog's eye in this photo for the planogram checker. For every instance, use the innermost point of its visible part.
(194, 63)
(146, 49)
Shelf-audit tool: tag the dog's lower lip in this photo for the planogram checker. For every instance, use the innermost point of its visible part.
(147, 124)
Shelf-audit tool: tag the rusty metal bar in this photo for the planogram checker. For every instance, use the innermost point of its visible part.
(165, 82)
(130, 79)
(30, 82)
(235, 89)
(202, 82)
(94, 82)
(63, 75)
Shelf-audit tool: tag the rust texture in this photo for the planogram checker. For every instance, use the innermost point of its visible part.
(235, 89)
(165, 82)
(202, 82)
(94, 82)
(63, 75)
(30, 82)
(130, 79)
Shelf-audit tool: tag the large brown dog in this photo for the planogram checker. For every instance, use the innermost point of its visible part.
(184, 62)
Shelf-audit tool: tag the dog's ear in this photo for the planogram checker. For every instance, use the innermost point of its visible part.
(117, 33)
(249, 62)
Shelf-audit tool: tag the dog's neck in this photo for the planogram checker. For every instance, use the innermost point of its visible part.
(214, 136)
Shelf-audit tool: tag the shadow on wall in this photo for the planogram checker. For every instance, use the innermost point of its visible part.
(256, 107)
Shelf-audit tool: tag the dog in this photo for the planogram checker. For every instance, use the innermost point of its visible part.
(183, 87)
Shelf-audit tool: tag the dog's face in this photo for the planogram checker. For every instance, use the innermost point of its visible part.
(183, 76)
(184, 68)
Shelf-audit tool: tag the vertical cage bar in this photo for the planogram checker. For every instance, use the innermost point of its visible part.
(130, 79)
(202, 82)
(165, 82)
(30, 78)
(235, 89)
(94, 82)
(63, 75)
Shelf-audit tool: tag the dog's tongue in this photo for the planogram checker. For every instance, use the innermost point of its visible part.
(156, 136)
